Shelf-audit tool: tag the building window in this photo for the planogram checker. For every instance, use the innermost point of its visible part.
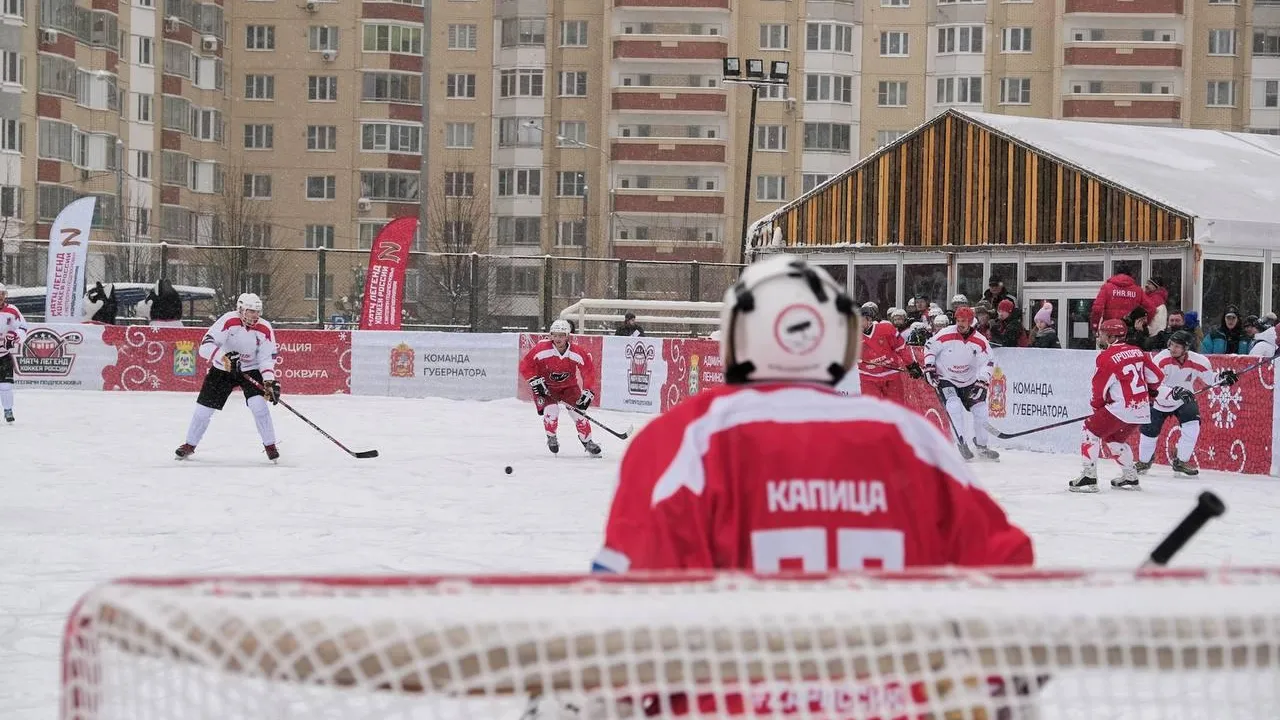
(391, 87)
(894, 44)
(260, 37)
(1266, 42)
(775, 36)
(571, 233)
(461, 37)
(323, 37)
(459, 135)
(391, 138)
(319, 236)
(12, 68)
(573, 84)
(573, 33)
(367, 232)
(571, 183)
(459, 85)
(144, 51)
(174, 168)
(322, 137)
(886, 137)
(257, 186)
(402, 38)
(773, 92)
(573, 133)
(829, 37)
(520, 83)
(895, 3)
(142, 164)
(459, 184)
(457, 235)
(1222, 93)
(514, 182)
(569, 283)
(259, 87)
(959, 91)
(828, 88)
(1270, 93)
(1222, 42)
(11, 201)
(827, 137)
(206, 124)
(142, 107)
(14, 8)
(809, 181)
(259, 137)
(1016, 40)
(771, 188)
(142, 222)
(771, 138)
(388, 185)
(964, 39)
(891, 93)
(519, 231)
(311, 289)
(322, 88)
(518, 280)
(321, 187)
(519, 132)
(517, 32)
(11, 135)
(1015, 91)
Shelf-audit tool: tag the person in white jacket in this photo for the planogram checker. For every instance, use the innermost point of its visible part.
(958, 362)
(1264, 343)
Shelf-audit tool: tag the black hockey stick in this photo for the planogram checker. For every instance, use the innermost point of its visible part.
(963, 446)
(362, 454)
(597, 423)
(1208, 506)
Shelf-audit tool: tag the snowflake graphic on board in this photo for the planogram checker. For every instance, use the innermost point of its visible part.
(1224, 402)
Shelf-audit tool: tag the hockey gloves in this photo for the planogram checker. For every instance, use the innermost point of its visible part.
(584, 400)
(931, 375)
(1227, 377)
(539, 387)
(271, 391)
(231, 362)
(1182, 395)
(979, 393)
(914, 371)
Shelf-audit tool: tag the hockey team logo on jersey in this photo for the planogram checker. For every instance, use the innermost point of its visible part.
(184, 359)
(638, 373)
(799, 329)
(402, 361)
(45, 353)
(998, 405)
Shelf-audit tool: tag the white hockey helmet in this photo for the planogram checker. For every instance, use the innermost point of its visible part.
(897, 312)
(941, 321)
(959, 299)
(560, 326)
(787, 320)
(248, 301)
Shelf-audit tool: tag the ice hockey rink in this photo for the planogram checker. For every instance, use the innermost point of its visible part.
(89, 491)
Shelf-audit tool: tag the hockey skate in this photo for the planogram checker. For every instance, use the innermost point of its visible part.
(965, 452)
(8, 416)
(987, 453)
(553, 444)
(1086, 483)
(1185, 468)
(1128, 480)
(184, 451)
(272, 453)
(591, 447)
(1141, 467)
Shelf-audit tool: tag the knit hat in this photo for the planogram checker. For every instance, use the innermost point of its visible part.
(1191, 319)
(1005, 305)
(1045, 314)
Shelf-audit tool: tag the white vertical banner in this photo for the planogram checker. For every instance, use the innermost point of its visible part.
(68, 253)
(632, 374)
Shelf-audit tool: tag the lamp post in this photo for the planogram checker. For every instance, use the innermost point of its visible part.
(755, 78)
(572, 142)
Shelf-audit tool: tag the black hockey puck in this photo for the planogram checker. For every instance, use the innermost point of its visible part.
(507, 470)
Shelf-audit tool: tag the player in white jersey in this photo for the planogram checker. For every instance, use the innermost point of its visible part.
(1181, 368)
(241, 346)
(958, 362)
(13, 330)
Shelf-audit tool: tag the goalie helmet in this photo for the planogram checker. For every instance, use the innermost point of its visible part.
(560, 326)
(248, 301)
(787, 320)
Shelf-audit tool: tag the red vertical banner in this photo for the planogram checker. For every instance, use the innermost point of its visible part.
(384, 282)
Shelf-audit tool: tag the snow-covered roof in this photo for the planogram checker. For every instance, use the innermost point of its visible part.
(1210, 175)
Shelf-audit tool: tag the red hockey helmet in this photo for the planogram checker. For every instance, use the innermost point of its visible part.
(964, 312)
(1113, 328)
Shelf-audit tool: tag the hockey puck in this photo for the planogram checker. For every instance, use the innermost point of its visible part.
(507, 470)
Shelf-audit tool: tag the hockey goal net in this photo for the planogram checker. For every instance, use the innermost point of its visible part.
(939, 644)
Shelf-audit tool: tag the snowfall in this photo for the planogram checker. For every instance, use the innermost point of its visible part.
(90, 491)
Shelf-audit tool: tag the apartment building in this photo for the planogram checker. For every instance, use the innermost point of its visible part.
(596, 128)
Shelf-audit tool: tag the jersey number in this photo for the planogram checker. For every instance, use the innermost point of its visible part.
(806, 549)
(1137, 383)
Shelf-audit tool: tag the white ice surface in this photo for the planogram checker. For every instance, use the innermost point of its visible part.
(89, 492)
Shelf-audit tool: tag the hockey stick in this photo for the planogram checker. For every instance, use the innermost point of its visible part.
(597, 423)
(1208, 506)
(362, 454)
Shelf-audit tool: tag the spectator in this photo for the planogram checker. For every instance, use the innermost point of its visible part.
(629, 328)
(1006, 331)
(1191, 319)
(1045, 335)
(1157, 313)
(1229, 338)
(996, 291)
(920, 309)
(1264, 343)
(1116, 299)
(982, 320)
(1175, 322)
(1137, 322)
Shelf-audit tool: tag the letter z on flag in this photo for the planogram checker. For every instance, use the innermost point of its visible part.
(384, 283)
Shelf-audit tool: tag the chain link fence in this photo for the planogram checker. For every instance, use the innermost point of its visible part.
(304, 287)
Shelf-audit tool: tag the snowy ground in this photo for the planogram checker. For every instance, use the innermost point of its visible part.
(89, 492)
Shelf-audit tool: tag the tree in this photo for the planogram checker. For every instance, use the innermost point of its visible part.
(457, 219)
(232, 253)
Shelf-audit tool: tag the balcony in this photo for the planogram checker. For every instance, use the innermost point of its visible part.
(665, 201)
(671, 47)
(1166, 55)
(1124, 7)
(668, 151)
(674, 4)
(653, 100)
(1123, 106)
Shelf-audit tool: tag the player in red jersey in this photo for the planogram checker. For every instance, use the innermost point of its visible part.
(883, 358)
(556, 371)
(1124, 383)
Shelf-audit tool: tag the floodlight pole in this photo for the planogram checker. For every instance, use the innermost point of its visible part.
(746, 194)
(778, 75)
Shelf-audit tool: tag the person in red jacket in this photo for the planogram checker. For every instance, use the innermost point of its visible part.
(1116, 299)
(884, 357)
(556, 370)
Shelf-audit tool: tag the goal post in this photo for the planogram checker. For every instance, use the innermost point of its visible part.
(921, 644)
(654, 315)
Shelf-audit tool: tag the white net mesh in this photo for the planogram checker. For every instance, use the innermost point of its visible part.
(948, 644)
